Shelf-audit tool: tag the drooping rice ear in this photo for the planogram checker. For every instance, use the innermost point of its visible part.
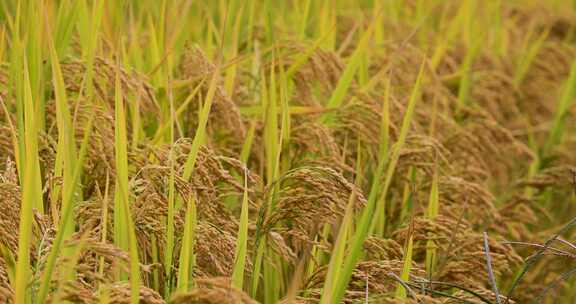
(213, 290)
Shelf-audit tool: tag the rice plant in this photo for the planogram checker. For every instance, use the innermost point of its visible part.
(299, 151)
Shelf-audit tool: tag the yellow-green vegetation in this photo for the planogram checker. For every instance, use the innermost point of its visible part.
(298, 151)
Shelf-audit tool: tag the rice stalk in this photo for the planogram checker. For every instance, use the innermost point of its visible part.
(241, 241)
(124, 235)
(30, 193)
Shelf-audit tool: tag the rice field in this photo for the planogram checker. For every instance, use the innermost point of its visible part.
(297, 151)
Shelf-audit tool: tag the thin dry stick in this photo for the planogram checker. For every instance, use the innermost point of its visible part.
(555, 251)
(565, 242)
(490, 270)
(462, 288)
(532, 260)
(405, 285)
